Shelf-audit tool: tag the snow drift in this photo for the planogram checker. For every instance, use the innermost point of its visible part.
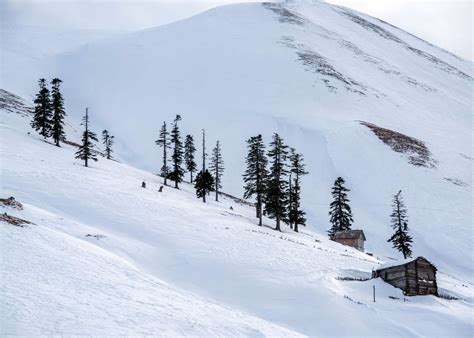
(153, 263)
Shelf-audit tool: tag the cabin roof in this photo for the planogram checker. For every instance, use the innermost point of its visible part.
(350, 234)
(402, 262)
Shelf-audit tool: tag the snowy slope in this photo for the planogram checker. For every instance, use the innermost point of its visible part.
(167, 264)
(310, 71)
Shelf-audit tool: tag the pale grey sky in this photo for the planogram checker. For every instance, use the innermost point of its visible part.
(446, 23)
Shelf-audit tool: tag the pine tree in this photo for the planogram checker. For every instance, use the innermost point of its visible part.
(340, 211)
(401, 240)
(204, 184)
(217, 168)
(189, 151)
(296, 216)
(204, 154)
(256, 173)
(85, 151)
(289, 217)
(107, 141)
(58, 112)
(163, 141)
(177, 171)
(276, 198)
(42, 118)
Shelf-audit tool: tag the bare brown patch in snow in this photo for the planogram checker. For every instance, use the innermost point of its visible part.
(416, 150)
(11, 202)
(14, 220)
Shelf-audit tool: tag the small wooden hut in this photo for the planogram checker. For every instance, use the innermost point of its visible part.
(353, 238)
(414, 276)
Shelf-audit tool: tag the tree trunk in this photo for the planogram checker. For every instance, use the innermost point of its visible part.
(278, 224)
(296, 227)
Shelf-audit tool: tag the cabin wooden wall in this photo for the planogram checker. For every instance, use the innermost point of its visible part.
(415, 278)
(357, 243)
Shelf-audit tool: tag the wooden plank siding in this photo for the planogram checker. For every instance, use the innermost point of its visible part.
(417, 277)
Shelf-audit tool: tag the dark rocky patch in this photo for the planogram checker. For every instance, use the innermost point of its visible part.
(440, 64)
(96, 236)
(318, 64)
(284, 14)
(11, 202)
(16, 221)
(456, 181)
(14, 104)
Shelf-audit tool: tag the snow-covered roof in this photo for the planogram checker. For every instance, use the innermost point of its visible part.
(352, 234)
(400, 262)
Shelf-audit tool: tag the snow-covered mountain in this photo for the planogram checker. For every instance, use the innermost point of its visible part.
(357, 96)
(151, 263)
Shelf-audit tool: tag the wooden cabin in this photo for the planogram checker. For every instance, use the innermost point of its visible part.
(414, 276)
(353, 238)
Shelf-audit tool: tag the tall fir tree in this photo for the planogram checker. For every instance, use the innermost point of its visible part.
(204, 154)
(276, 197)
(217, 168)
(58, 112)
(42, 118)
(289, 218)
(401, 240)
(108, 142)
(296, 216)
(256, 174)
(177, 171)
(164, 142)
(203, 184)
(339, 211)
(85, 151)
(189, 152)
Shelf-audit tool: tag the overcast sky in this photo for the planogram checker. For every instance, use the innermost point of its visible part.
(446, 23)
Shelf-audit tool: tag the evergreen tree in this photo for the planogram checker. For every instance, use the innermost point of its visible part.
(163, 141)
(204, 184)
(42, 118)
(217, 168)
(276, 198)
(401, 240)
(289, 217)
(85, 151)
(189, 151)
(296, 216)
(256, 173)
(108, 141)
(204, 155)
(340, 211)
(58, 112)
(177, 171)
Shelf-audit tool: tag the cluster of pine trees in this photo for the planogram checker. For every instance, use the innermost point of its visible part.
(183, 160)
(48, 120)
(86, 150)
(273, 177)
(49, 112)
(341, 218)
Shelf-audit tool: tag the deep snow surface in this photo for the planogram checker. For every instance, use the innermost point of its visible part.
(169, 264)
(306, 69)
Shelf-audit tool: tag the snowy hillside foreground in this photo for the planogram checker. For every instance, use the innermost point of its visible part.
(107, 257)
(358, 97)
